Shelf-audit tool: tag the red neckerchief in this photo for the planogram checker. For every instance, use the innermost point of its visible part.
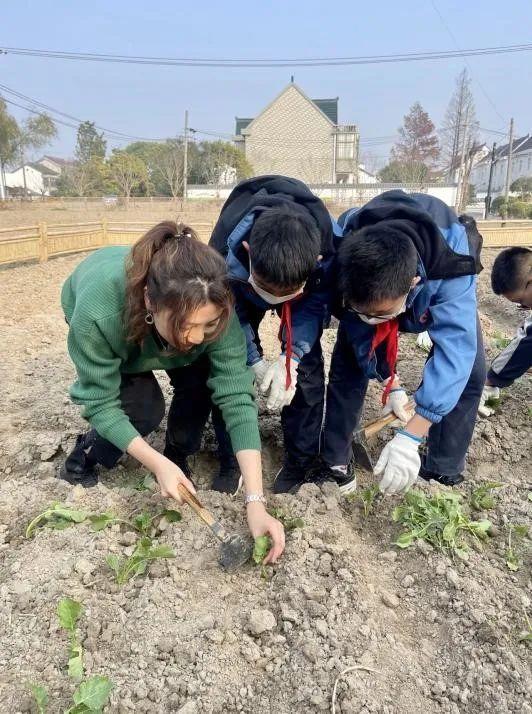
(286, 322)
(388, 331)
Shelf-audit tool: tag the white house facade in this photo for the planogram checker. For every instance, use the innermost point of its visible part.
(521, 166)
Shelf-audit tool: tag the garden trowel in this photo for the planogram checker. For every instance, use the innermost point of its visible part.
(235, 549)
(361, 455)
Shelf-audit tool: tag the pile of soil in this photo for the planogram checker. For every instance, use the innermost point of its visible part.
(422, 632)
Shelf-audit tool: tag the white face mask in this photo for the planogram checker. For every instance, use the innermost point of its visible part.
(378, 320)
(268, 297)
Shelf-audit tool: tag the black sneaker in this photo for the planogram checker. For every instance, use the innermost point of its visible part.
(347, 482)
(291, 476)
(228, 479)
(179, 459)
(79, 468)
(454, 480)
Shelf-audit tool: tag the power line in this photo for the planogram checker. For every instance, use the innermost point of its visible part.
(110, 132)
(477, 80)
(286, 62)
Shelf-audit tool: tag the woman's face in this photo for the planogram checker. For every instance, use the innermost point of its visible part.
(199, 324)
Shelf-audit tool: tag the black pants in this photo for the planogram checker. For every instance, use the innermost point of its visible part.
(143, 402)
(448, 441)
(301, 420)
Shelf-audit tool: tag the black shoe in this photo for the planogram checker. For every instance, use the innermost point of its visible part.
(79, 468)
(347, 482)
(291, 476)
(228, 479)
(179, 459)
(444, 480)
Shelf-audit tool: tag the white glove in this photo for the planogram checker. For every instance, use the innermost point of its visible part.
(400, 463)
(424, 342)
(259, 370)
(397, 400)
(488, 393)
(275, 381)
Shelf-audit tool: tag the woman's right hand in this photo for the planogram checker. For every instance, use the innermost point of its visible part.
(168, 475)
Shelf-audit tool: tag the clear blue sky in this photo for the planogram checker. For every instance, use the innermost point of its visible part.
(150, 101)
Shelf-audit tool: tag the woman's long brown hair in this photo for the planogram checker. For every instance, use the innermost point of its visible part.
(180, 273)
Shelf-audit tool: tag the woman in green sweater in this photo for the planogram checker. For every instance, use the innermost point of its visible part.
(161, 305)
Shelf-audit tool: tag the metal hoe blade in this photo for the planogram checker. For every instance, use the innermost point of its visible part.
(235, 551)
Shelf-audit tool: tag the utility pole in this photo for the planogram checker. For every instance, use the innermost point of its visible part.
(2, 180)
(185, 156)
(509, 166)
(487, 200)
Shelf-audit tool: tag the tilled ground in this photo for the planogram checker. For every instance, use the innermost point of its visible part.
(425, 633)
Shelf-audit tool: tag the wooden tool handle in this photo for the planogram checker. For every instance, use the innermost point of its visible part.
(375, 426)
(196, 505)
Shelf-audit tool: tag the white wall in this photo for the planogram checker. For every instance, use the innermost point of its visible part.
(521, 166)
(347, 194)
(34, 179)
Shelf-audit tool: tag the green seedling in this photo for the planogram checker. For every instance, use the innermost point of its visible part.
(40, 695)
(493, 402)
(69, 611)
(144, 523)
(440, 520)
(482, 497)
(128, 568)
(516, 534)
(289, 521)
(500, 341)
(368, 497)
(260, 551)
(91, 696)
(57, 517)
(146, 483)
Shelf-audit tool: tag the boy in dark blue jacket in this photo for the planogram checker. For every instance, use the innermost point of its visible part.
(511, 277)
(405, 264)
(279, 242)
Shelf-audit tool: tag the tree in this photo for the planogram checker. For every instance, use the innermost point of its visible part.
(417, 145)
(82, 179)
(127, 171)
(89, 143)
(215, 159)
(9, 142)
(169, 166)
(459, 125)
(522, 186)
(399, 172)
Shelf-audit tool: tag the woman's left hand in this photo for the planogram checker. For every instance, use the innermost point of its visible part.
(261, 523)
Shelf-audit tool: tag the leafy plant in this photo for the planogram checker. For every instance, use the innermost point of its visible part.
(41, 697)
(516, 534)
(146, 483)
(58, 517)
(482, 497)
(526, 634)
(144, 523)
(69, 611)
(91, 696)
(438, 519)
(368, 497)
(261, 548)
(500, 341)
(137, 563)
(289, 521)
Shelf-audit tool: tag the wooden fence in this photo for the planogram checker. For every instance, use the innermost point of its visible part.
(43, 241)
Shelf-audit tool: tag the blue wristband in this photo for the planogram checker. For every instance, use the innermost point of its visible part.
(404, 432)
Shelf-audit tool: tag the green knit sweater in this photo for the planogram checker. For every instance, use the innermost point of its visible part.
(93, 302)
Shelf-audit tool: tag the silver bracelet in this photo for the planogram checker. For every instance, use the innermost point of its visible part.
(253, 498)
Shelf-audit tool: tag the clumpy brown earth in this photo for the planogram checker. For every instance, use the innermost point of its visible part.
(428, 634)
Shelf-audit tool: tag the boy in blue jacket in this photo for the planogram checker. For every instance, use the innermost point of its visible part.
(279, 242)
(405, 265)
(511, 277)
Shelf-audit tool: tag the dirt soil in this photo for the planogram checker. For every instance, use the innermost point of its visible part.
(434, 634)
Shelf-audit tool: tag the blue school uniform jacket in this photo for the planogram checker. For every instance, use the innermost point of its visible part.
(309, 311)
(443, 302)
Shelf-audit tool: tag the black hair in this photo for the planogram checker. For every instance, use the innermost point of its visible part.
(284, 245)
(509, 270)
(376, 263)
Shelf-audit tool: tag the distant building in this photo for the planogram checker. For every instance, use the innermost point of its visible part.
(37, 178)
(521, 165)
(300, 137)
